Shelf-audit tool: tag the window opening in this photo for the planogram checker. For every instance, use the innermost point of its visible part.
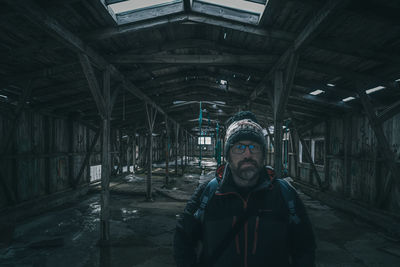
(204, 140)
(317, 151)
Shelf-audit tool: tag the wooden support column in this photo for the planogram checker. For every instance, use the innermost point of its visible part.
(176, 147)
(47, 128)
(278, 123)
(87, 150)
(128, 153)
(134, 151)
(383, 146)
(272, 143)
(347, 136)
(283, 83)
(181, 150)
(151, 118)
(105, 162)
(327, 148)
(71, 165)
(295, 149)
(186, 148)
(103, 102)
(167, 146)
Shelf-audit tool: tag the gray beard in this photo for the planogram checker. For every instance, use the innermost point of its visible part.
(248, 173)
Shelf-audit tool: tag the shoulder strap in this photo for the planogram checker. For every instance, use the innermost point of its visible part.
(289, 194)
(208, 192)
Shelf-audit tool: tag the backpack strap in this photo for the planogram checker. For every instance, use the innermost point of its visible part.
(289, 195)
(208, 192)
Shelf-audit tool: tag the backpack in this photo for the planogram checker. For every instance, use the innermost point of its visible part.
(288, 192)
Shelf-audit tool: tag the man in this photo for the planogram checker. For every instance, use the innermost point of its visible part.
(247, 220)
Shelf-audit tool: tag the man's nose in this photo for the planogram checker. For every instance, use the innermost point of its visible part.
(247, 151)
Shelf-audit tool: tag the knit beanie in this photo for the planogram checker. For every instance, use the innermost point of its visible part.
(243, 126)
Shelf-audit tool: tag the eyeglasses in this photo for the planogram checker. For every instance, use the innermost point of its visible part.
(241, 148)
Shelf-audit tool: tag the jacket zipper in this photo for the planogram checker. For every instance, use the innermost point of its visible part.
(256, 235)
(236, 237)
(245, 225)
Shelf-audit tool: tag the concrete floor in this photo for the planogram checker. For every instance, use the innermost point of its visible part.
(142, 231)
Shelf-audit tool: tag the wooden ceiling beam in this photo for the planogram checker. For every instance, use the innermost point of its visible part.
(193, 59)
(313, 27)
(37, 15)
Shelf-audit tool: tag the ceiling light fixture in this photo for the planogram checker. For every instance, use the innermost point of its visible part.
(375, 89)
(317, 92)
(347, 99)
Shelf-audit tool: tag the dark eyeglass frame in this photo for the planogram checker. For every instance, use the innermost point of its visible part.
(241, 148)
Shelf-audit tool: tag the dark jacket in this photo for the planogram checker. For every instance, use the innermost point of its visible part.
(266, 239)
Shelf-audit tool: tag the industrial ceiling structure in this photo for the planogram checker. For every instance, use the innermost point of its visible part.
(306, 60)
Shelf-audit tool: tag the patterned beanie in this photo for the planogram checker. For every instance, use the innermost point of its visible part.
(243, 126)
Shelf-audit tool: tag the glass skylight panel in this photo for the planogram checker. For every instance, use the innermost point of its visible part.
(347, 99)
(317, 92)
(132, 5)
(239, 10)
(239, 4)
(371, 90)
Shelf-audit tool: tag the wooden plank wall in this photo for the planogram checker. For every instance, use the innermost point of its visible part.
(39, 161)
(365, 167)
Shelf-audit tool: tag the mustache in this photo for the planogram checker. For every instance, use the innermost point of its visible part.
(247, 161)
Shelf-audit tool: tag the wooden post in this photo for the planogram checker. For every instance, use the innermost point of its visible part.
(105, 163)
(70, 152)
(151, 118)
(278, 123)
(186, 148)
(47, 149)
(87, 151)
(181, 147)
(134, 151)
(167, 144)
(120, 154)
(278, 148)
(176, 148)
(347, 136)
(327, 152)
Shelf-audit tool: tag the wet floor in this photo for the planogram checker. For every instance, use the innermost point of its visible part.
(142, 231)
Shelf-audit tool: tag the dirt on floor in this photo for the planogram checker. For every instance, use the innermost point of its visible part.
(142, 232)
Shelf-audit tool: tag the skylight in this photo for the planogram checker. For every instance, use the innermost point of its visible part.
(240, 10)
(347, 99)
(317, 92)
(239, 4)
(132, 5)
(129, 11)
(378, 88)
